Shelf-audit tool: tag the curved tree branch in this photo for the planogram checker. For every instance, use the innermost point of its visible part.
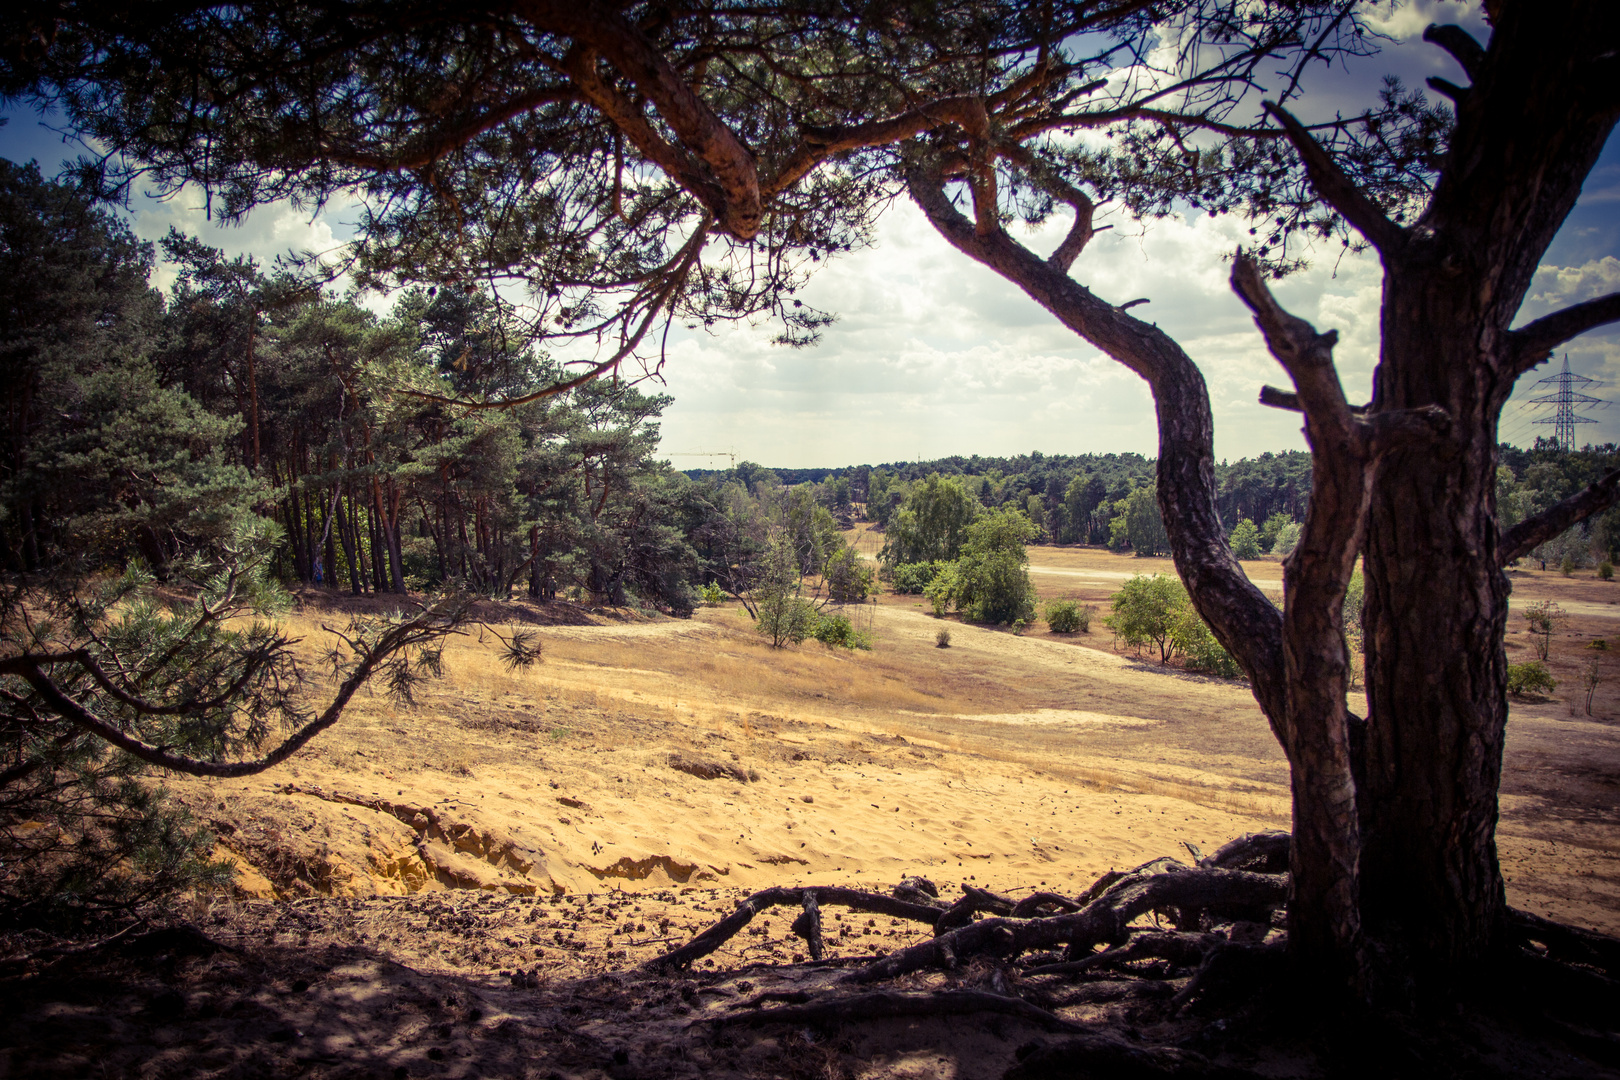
(604, 30)
(1459, 43)
(1324, 913)
(1519, 540)
(817, 144)
(1337, 189)
(1081, 230)
(31, 669)
(660, 301)
(1532, 343)
(1243, 619)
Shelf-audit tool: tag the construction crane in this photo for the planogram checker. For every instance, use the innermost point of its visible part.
(731, 455)
(1566, 397)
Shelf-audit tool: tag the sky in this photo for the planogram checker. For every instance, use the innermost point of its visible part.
(934, 355)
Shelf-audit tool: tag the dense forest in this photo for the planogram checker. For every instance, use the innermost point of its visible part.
(150, 426)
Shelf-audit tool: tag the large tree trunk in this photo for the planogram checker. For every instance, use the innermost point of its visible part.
(1543, 103)
(1435, 613)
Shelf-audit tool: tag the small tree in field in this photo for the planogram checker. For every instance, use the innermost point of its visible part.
(1246, 540)
(1146, 611)
(1544, 618)
(1274, 525)
(990, 582)
(783, 614)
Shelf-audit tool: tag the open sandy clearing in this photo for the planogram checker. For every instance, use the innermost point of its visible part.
(665, 754)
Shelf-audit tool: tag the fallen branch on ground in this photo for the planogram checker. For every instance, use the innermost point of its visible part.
(727, 928)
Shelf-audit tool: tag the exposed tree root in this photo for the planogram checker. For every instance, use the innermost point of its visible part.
(1086, 952)
(1567, 943)
(1260, 853)
(881, 1004)
(1187, 950)
(1156, 886)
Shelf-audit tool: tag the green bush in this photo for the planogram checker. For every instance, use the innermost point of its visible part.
(1355, 598)
(1068, 616)
(1194, 640)
(941, 588)
(1606, 570)
(836, 631)
(787, 618)
(1530, 677)
(713, 594)
(1246, 540)
(1273, 527)
(912, 578)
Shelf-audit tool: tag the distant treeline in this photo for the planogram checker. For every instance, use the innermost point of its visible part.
(1072, 497)
(1081, 498)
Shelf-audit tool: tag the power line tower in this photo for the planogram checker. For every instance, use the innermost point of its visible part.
(1566, 397)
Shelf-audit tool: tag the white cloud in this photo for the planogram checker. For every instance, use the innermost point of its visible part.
(1558, 286)
(1408, 20)
(936, 355)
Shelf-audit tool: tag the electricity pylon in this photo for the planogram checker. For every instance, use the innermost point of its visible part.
(1566, 397)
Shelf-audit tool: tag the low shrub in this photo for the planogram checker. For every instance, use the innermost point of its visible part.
(1245, 540)
(836, 631)
(1530, 677)
(942, 588)
(1068, 616)
(713, 594)
(1606, 570)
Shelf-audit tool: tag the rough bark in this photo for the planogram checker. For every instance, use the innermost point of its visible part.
(1324, 915)
(1542, 105)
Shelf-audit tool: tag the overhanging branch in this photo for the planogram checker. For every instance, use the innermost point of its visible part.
(31, 669)
(1244, 620)
(1527, 534)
